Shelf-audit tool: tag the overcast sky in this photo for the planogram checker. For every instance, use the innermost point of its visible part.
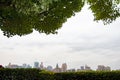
(79, 42)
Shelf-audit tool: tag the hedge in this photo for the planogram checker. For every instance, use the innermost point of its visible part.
(90, 75)
(35, 74)
(19, 74)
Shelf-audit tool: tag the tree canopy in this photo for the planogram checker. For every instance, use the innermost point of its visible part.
(20, 17)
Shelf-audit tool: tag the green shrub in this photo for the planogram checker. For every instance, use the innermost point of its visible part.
(19, 74)
(35, 74)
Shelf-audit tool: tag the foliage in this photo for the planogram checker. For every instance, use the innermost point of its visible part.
(20, 17)
(105, 10)
(15, 21)
(35, 74)
(88, 75)
(19, 74)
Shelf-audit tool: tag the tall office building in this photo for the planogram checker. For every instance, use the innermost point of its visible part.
(108, 68)
(41, 65)
(87, 67)
(64, 67)
(103, 68)
(36, 64)
(82, 68)
(49, 68)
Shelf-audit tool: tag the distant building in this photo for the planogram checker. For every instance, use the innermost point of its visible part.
(82, 68)
(71, 70)
(18, 66)
(13, 66)
(26, 66)
(29, 66)
(64, 67)
(87, 67)
(108, 68)
(103, 68)
(57, 69)
(36, 64)
(41, 66)
(49, 68)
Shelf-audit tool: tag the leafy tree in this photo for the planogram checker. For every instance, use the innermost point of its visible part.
(105, 10)
(15, 21)
(20, 17)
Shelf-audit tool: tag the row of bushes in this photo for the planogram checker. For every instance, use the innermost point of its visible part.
(84, 75)
(35, 74)
(19, 74)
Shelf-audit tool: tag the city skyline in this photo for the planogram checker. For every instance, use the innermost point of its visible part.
(80, 41)
(63, 66)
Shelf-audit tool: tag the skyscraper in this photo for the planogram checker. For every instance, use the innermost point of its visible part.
(87, 67)
(82, 68)
(103, 68)
(49, 68)
(41, 65)
(36, 64)
(64, 67)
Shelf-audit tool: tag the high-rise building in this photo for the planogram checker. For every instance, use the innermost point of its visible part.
(26, 66)
(41, 65)
(108, 68)
(36, 64)
(82, 68)
(64, 67)
(57, 69)
(103, 68)
(87, 67)
(49, 68)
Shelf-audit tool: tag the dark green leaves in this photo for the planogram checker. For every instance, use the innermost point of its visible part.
(46, 17)
(105, 10)
(20, 17)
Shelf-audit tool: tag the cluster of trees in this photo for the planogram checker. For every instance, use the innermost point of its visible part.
(20, 17)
